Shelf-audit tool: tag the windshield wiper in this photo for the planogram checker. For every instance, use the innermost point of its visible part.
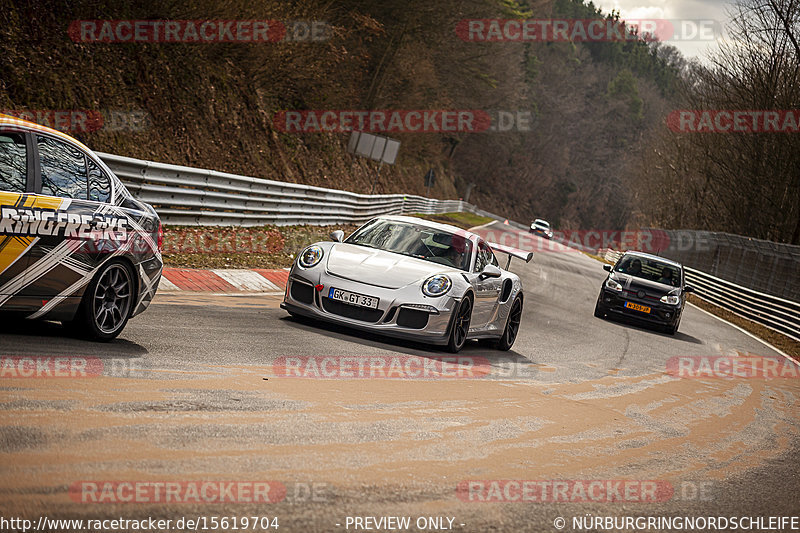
(409, 254)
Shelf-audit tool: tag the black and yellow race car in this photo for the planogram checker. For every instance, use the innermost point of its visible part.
(75, 245)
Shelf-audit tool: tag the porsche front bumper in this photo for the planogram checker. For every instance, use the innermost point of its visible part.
(403, 313)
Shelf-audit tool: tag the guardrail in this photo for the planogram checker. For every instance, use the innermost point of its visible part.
(763, 266)
(773, 312)
(191, 196)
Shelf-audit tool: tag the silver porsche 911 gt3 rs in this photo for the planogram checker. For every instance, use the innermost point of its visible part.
(413, 279)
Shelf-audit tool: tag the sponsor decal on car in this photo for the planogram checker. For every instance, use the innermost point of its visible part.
(61, 223)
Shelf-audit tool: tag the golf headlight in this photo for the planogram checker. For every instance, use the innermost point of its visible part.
(310, 257)
(613, 285)
(671, 299)
(437, 285)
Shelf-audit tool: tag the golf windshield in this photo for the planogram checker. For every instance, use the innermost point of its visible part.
(650, 269)
(417, 241)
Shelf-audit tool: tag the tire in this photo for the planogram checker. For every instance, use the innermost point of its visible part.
(512, 326)
(107, 303)
(673, 329)
(598, 311)
(460, 327)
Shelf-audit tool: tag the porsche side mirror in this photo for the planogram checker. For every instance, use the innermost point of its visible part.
(491, 271)
(607, 268)
(337, 235)
(688, 288)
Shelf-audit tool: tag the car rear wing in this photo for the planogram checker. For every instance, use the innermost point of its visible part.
(512, 252)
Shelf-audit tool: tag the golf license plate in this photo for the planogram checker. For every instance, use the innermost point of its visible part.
(353, 298)
(637, 307)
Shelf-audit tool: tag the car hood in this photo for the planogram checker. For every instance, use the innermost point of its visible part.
(651, 288)
(378, 267)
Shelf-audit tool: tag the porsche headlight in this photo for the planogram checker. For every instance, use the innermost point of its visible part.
(437, 285)
(613, 285)
(671, 299)
(310, 257)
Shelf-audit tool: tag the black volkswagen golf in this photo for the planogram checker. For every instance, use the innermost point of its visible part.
(644, 287)
(75, 246)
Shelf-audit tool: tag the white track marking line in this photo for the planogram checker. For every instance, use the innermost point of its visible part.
(759, 339)
(483, 225)
(167, 285)
(247, 280)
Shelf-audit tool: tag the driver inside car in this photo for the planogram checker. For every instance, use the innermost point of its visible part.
(455, 252)
(666, 276)
(632, 267)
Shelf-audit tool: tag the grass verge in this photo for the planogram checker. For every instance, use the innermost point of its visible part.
(234, 247)
(461, 220)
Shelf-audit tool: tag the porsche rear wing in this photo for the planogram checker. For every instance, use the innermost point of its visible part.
(512, 252)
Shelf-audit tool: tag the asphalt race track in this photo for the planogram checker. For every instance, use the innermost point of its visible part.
(196, 390)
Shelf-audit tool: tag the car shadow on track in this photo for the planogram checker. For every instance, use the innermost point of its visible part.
(55, 339)
(374, 340)
(632, 324)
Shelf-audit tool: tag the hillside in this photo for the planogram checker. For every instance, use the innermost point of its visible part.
(212, 105)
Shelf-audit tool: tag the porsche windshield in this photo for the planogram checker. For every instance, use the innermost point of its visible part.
(418, 241)
(650, 269)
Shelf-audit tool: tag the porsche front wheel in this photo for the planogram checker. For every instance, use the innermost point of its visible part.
(460, 328)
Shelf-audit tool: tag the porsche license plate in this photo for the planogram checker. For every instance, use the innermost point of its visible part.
(353, 298)
(637, 307)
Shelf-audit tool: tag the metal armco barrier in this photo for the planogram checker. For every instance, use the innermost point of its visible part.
(192, 196)
(764, 266)
(773, 312)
